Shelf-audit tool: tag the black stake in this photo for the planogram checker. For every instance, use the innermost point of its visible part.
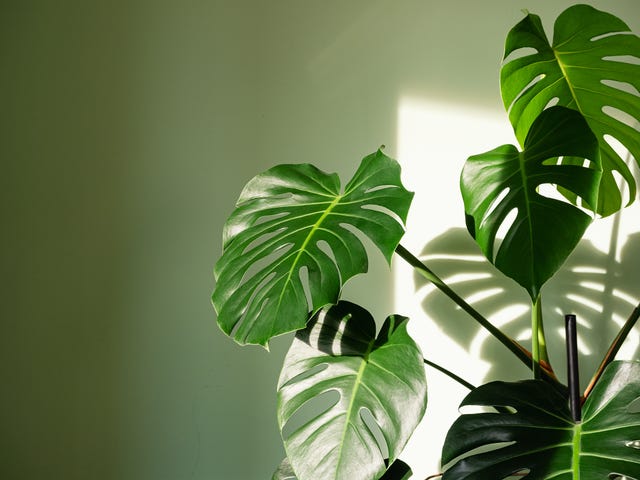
(572, 367)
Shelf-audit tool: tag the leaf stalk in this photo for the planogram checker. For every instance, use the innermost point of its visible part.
(518, 350)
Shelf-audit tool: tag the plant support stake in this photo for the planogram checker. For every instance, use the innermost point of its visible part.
(572, 367)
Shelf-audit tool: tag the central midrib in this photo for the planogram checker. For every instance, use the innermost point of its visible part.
(306, 242)
(357, 382)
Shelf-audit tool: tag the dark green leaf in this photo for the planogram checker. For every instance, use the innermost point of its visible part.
(592, 66)
(293, 221)
(545, 230)
(540, 438)
(397, 471)
(381, 378)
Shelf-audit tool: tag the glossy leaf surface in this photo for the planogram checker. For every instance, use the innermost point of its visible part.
(541, 440)
(383, 379)
(293, 229)
(545, 230)
(399, 470)
(591, 66)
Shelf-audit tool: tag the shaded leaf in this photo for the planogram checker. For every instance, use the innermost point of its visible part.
(502, 181)
(540, 439)
(292, 221)
(591, 66)
(381, 378)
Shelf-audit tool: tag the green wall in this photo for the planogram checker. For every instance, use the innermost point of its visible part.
(127, 130)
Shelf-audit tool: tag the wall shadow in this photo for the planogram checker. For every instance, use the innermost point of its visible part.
(594, 286)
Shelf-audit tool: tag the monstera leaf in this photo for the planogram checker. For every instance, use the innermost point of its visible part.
(591, 66)
(399, 470)
(380, 379)
(540, 439)
(293, 228)
(545, 230)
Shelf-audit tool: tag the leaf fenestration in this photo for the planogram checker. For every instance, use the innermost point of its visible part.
(293, 235)
(539, 435)
(592, 66)
(544, 230)
(339, 352)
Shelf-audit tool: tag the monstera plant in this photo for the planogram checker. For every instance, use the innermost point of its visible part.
(349, 397)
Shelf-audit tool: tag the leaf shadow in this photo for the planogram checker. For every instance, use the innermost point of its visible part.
(599, 290)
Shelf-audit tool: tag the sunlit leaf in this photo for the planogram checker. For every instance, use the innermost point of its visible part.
(294, 229)
(505, 181)
(380, 378)
(593, 66)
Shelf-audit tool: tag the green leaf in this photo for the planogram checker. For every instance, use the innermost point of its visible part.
(292, 227)
(399, 470)
(381, 379)
(541, 439)
(545, 230)
(591, 67)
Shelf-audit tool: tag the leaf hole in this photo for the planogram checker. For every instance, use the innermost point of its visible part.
(629, 59)
(309, 411)
(386, 211)
(315, 370)
(519, 53)
(552, 103)
(260, 264)
(526, 88)
(379, 187)
(619, 476)
(257, 295)
(624, 117)
(262, 240)
(550, 190)
(609, 34)
(325, 248)
(624, 86)
(503, 230)
(491, 447)
(375, 431)
(495, 203)
(476, 409)
(268, 218)
(617, 146)
(303, 274)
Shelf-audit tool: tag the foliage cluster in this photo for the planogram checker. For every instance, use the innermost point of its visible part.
(349, 397)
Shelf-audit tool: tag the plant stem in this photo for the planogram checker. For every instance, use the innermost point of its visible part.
(450, 374)
(518, 350)
(538, 341)
(573, 376)
(613, 349)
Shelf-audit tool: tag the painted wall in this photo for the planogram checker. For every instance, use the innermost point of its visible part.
(127, 131)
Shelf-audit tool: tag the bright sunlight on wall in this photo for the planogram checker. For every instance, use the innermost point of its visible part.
(434, 140)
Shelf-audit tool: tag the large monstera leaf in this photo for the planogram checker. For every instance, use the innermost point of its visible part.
(293, 228)
(504, 180)
(538, 440)
(591, 66)
(381, 379)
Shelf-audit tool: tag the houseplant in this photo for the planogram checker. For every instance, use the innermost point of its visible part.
(349, 398)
